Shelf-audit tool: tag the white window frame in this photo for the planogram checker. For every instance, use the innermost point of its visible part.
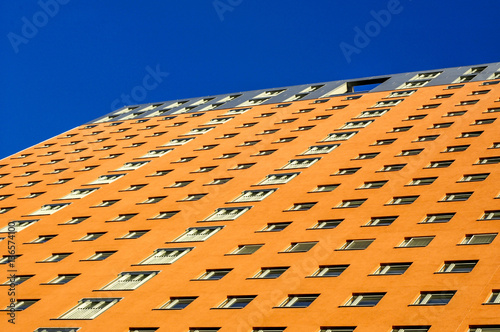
(227, 214)
(356, 124)
(48, 209)
(90, 308)
(194, 234)
(108, 178)
(132, 165)
(254, 195)
(343, 136)
(199, 131)
(359, 244)
(416, 242)
(273, 179)
(300, 163)
(179, 141)
(164, 256)
(130, 280)
(320, 149)
(79, 193)
(479, 239)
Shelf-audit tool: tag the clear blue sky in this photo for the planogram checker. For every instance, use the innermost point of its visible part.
(64, 65)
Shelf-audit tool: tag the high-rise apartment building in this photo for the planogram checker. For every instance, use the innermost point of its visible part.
(307, 208)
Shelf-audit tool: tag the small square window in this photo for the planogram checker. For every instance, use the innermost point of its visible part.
(400, 129)
(107, 203)
(416, 117)
(494, 298)
(152, 200)
(17, 279)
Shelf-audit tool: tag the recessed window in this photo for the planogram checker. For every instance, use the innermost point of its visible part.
(456, 148)
(178, 303)
(406, 93)
(325, 188)
(491, 215)
(438, 217)
(416, 117)
(75, 220)
(321, 117)
(364, 299)
(422, 181)
(381, 221)
(356, 244)
(57, 257)
(440, 164)
(426, 138)
(434, 298)
(373, 184)
(300, 246)
(243, 166)
(448, 95)
(249, 143)
(236, 302)
(280, 178)
(199, 131)
(455, 113)
(254, 195)
(227, 214)
(285, 139)
(339, 136)
(17, 279)
(166, 214)
(329, 270)
(356, 124)
(246, 249)
(384, 141)
(208, 147)
(488, 160)
(91, 236)
(130, 280)
(228, 135)
(124, 217)
(275, 227)
(484, 328)
(180, 184)
(347, 171)
(410, 328)
(392, 269)
(470, 134)
(352, 203)
(456, 197)
(179, 141)
(478, 239)
(268, 131)
(372, 114)
(300, 163)
(135, 187)
(441, 125)
(483, 121)
(107, 203)
(327, 224)
(165, 256)
(194, 234)
(468, 102)
(89, 308)
(299, 301)
(219, 181)
(104, 179)
(400, 129)
(49, 209)
(364, 156)
(494, 298)
(320, 149)
(134, 234)
(392, 168)
(214, 274)
(20, 305)
(268, 329)
(79, 193)
(265, 152)
(413, 242)
(301, 206)
(270, 272)
(152, 200)
(458, 266)
(100, 255)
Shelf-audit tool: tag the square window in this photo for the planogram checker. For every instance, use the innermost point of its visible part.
(494, 298)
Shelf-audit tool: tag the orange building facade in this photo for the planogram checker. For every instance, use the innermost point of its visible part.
(299, 209)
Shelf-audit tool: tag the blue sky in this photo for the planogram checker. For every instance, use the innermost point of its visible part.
(66, 62)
